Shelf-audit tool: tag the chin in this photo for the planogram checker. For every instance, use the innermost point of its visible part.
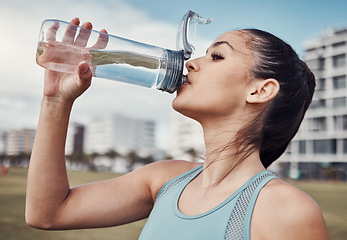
(177, 105)
(181, 104)
(185, 110)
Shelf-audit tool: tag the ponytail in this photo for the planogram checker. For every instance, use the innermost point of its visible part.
(284, 113)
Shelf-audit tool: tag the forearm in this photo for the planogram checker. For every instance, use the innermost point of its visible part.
(47, 185)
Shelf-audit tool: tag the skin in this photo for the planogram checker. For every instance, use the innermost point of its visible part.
(222, 97)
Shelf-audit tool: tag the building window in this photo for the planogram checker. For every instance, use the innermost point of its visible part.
(319, 124)
(344, 145)
(320, 84)
(339, 61)
(344, 122)
(336, 122)
(321, 63)
(339, 82)
(339, 44)
(340, 122)
(302, 147)
(339, 102)
(324, 146)
(311, 50)
(321, 103)
(316, 64)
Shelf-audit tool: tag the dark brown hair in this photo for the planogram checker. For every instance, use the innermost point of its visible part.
(281, 118)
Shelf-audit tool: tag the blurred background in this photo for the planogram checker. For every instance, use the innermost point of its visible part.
(116, 127)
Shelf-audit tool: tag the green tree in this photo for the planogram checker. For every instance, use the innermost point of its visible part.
(112, 154)
(91, 159)
(192, 152)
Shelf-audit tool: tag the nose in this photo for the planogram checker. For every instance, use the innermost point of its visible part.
(192, 65)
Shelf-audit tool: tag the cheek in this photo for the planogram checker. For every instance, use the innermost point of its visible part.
(217, 93)
(202, 101)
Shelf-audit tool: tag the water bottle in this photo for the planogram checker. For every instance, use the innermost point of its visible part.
(116, 58)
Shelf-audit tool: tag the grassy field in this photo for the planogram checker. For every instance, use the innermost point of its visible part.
(13, 226)
(332, 198)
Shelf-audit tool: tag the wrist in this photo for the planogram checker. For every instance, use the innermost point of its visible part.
(47, 100)
(56, 106)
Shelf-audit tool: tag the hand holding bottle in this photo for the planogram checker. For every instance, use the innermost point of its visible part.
(113, 57)
(65, 86)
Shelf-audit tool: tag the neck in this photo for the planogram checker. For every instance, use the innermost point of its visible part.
(230, 172)
(218, 136)
(223, 160)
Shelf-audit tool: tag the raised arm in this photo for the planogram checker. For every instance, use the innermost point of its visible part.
(50, 203)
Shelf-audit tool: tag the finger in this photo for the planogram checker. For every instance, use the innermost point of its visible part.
(70, 32)
(102, 41)
(83, 36)
(84, 73)
(52, 31)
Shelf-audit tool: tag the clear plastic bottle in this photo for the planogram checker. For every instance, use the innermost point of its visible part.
(116, 58)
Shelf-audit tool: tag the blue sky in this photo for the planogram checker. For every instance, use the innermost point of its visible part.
(293, 20)
(151, 21)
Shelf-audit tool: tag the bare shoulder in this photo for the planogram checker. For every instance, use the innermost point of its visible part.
(168, 169)
(158, 173)
(285, 212)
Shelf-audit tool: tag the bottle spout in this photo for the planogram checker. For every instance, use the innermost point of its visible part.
(182, 34)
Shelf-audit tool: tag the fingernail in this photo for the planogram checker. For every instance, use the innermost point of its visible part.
(84, 68)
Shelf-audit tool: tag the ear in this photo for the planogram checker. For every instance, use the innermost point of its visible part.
(263, 91)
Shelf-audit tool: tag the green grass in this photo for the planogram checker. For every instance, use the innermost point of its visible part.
(331, 197)
(12, 204)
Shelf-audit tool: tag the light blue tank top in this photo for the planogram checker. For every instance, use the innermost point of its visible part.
(229, 220)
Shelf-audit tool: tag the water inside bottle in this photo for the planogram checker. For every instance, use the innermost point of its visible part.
(128, 67)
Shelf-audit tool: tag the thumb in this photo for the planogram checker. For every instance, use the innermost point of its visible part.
(84, 74)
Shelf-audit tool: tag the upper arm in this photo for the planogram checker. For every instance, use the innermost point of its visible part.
(117, 201)
(284, 212)
(305, 220)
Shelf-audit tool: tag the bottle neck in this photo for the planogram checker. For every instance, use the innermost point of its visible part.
(173, 78)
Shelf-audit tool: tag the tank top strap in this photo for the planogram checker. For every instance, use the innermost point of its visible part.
(175, 181)
(238, 227)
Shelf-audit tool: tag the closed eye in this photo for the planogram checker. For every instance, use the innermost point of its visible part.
(216, 56)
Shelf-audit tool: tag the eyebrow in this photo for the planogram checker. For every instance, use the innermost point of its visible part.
(216, 44)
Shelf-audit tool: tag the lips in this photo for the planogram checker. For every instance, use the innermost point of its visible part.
(185, 80)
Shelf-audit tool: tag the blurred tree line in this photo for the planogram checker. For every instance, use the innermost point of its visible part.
(22, 159)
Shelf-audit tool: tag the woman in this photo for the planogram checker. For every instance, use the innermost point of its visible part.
(250, 93)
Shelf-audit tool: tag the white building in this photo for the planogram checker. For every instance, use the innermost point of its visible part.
(322, 137)
(20, 141)
(119, 133)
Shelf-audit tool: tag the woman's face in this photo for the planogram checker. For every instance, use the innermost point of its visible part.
(219, 81)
